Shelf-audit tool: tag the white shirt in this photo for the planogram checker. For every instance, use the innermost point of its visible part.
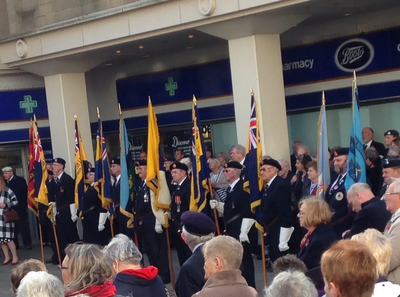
(369, 144)
(117, 178)
(232, 185)
(271, 180)
(242, 162)
(59, 177)
(198, 245)
(182, 181)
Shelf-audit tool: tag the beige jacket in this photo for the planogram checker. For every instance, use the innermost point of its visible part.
(392, 231)
(227, 283)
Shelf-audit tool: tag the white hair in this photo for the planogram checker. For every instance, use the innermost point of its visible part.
(193, 240)
(122, 249)
(358, 187)
(239, 148)
(291, 283)
(396, 185)
(282, 161)
(40, 284)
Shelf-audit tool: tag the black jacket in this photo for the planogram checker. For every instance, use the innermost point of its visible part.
(318, 242)
(373, 214)
(374, 176)
(191, 276)
(18, 185)
(180, 202)
(140, 283)
(380, 148)
(143, 215)
(293, 162)
(64, 196)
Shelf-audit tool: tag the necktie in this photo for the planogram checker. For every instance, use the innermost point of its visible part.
(364, 146)
(229, 189)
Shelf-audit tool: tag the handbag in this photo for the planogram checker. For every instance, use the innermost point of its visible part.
(10, 216)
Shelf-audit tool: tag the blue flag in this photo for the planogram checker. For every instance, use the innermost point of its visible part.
(102, 177)
(253, 183)
(324, 172)
(356, 163)
(126, 181)
(200, 182)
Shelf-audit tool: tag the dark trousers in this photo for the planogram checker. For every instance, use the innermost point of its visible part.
(66, 233)
(155, 246)
(47, 227)
(247, 266)
(182, 249)
(22, 227)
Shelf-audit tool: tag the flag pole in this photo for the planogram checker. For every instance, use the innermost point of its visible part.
(171, 263)
(41, 241)
(263, 236)
(55, 233)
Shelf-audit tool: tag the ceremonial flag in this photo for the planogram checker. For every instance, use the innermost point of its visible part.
(32, 204)
(102, 177)
(41, 175)
(324, 172)
(156, 180)
(127, 191)
(200, 181)
(253, 183)
(81, 168)
(356, 163)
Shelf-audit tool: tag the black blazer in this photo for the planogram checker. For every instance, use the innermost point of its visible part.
(380, 148)
(293, 163)
(116, 190)
(373, 214)
(319, 241)
(182, 195)
(18, 185)
(276, 201)
(64, 195)
(237, 203)
(374, 176)
(191, 276)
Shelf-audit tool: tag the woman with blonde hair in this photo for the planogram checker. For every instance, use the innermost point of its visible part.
(85, 271)
(381, 249)
(315, 215)
(7, 201)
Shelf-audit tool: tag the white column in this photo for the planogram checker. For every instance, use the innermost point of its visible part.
(66, 96)
(256, 63)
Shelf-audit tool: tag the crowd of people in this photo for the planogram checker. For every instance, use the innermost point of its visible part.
(343, 244)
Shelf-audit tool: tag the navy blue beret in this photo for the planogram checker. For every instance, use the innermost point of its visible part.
(178, 165)
(341, 152)
(234, 164)
(141, 163)
(116, 161)
(198, 223)
(59, 161)
(392, 132)
(272, 162)
(91, 170)
(391, 162)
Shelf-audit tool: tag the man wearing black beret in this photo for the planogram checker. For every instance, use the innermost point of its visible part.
(96, 227)
(335, 195)
(148, 227)
(238, 217)
(180, 202)
(276, 211)
(197, 229)
(64, 206)
(119, 220)
(391, 171)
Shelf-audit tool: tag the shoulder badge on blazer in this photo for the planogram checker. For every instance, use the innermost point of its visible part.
(339, 196)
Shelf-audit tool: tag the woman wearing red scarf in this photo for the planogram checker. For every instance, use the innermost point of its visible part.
(315, 215)
(85, 272)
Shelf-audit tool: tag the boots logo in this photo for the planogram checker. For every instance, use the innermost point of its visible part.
(354, 55)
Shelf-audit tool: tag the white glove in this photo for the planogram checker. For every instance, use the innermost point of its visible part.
(158, 227)
(218, 205)
(108, 214)
(54, 212)
(102, 220)
(284, 238)
(168, 214)
(244, 230)
(52, 203)
(72, 208)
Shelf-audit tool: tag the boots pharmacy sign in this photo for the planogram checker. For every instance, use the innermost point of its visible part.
(354, 55)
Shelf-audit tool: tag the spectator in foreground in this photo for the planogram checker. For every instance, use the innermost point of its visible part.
(131, 279)
(19, 272)
(40, 284)
(349, 270)
(223, 256)
(291, 284)
(288, 263)
(85, 271)
(382, 251)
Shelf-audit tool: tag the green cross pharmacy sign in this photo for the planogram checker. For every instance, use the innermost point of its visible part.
(171, 86)
(28, 104)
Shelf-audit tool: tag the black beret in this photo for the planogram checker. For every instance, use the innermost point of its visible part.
(198, 223)
(141, 163)
(91, 170)
(272, 162)
(169, 158)
(341, 152)
(391, 162)
(59, 161)
(178, 165)
(392, 132)
(234, 164)
(116, 161)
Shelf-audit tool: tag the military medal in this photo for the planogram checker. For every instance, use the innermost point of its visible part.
(146, 197)
(339, 196)
(178, 203)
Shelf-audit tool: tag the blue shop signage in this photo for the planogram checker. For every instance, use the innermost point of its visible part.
(23, 104)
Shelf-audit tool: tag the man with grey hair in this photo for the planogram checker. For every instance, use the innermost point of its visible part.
(197, 229)
(125, 258)
(291, 283)
(40, 283)
(238, 153)
(371, 211)
(285, 172)
(223, 256)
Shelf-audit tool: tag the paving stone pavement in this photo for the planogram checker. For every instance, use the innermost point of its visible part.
(5, 284)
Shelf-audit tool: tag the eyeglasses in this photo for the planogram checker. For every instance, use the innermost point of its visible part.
(62, 267)
(266, 169)
(302, 213)
(394, 193)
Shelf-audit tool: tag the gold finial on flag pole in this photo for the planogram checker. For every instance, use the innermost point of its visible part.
(323, 97)
(75, 117)
(252, 92)
(149, 99)
(194, 99)
(98, 113)
(119, 109)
